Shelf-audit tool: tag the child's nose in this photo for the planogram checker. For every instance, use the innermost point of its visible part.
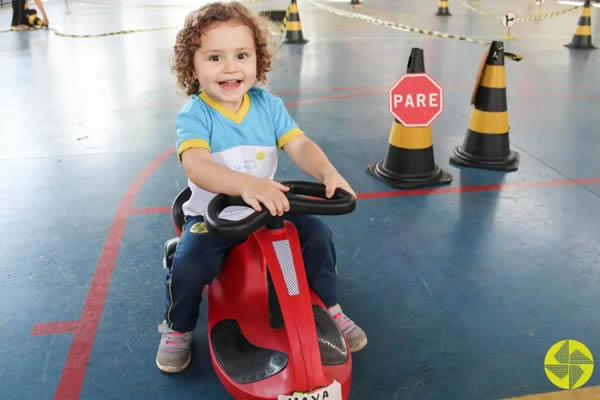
(230, 65)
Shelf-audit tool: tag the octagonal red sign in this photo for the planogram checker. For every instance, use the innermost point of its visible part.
(415, 100)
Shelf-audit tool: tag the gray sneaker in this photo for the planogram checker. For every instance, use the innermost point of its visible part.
(357, 339)
(175, 349)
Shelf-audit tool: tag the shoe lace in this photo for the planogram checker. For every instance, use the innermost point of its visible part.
(345, 324)
(172, 337)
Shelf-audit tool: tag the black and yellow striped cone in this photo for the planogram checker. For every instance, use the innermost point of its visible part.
(409, 161)
(486, 144)
(293, 26)
(356, 3)
(273, 15)
(32, 18)
(284, 23)
(583, 35)
(443, 9)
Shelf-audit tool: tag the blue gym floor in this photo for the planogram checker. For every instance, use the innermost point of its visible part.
(462, 289)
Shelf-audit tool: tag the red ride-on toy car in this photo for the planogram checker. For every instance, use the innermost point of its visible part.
(270, 336)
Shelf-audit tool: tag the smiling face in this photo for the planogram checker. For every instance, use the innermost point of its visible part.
(225, 62)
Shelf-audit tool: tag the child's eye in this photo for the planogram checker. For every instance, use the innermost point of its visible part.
(214, 58)
(242, 56)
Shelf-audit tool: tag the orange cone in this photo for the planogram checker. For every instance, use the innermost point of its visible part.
(583, 35)
(409, 161)
(293, 26)
(486, 144)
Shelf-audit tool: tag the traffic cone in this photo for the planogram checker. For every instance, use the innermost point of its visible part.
(283, 26)
(32, 18)
(486, 144)
(273, 15)
(356, 3)
(409, 161)
(293, 26)
(583, 35)
(443, 9)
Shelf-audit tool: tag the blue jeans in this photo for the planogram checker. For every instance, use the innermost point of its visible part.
(200, 256)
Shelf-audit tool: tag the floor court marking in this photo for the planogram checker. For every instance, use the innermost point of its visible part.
(84, 329)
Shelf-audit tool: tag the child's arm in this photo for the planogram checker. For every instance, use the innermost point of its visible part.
(216, 178)
(309, 157)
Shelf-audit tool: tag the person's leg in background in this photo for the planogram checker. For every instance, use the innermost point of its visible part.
(19, 19)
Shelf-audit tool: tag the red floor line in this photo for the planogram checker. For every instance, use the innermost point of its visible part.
(338, 97)
(450, 86)
(432, 191)
(366, 94)
(329, 89)
(54, 328)
(477, 188)
(151, 210)
(71, 380)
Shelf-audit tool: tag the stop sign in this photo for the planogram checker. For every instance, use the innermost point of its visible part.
(416, 100)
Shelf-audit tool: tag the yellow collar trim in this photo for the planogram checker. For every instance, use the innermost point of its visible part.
(237, 117)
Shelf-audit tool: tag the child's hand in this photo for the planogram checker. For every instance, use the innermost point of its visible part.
(267, 192)
(334, 180)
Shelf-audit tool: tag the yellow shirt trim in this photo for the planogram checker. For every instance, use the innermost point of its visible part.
(285, 139)
(235, 117)
(188, 144)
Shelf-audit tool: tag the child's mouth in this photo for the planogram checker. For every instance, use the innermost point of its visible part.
(230, 84)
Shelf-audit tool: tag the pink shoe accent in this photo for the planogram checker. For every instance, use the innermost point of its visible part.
(175, 334)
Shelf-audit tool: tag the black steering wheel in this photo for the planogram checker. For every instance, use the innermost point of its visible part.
(341, 202)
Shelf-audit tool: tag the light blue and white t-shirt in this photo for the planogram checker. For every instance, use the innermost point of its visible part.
(245, 141)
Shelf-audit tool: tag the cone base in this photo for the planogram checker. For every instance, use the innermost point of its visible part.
(408, 181)
(580, 47)
(509, 163)
(581, 42)
(295, 41)
(443, 14)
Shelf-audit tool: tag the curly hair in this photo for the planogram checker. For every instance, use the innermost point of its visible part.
(196, 22)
